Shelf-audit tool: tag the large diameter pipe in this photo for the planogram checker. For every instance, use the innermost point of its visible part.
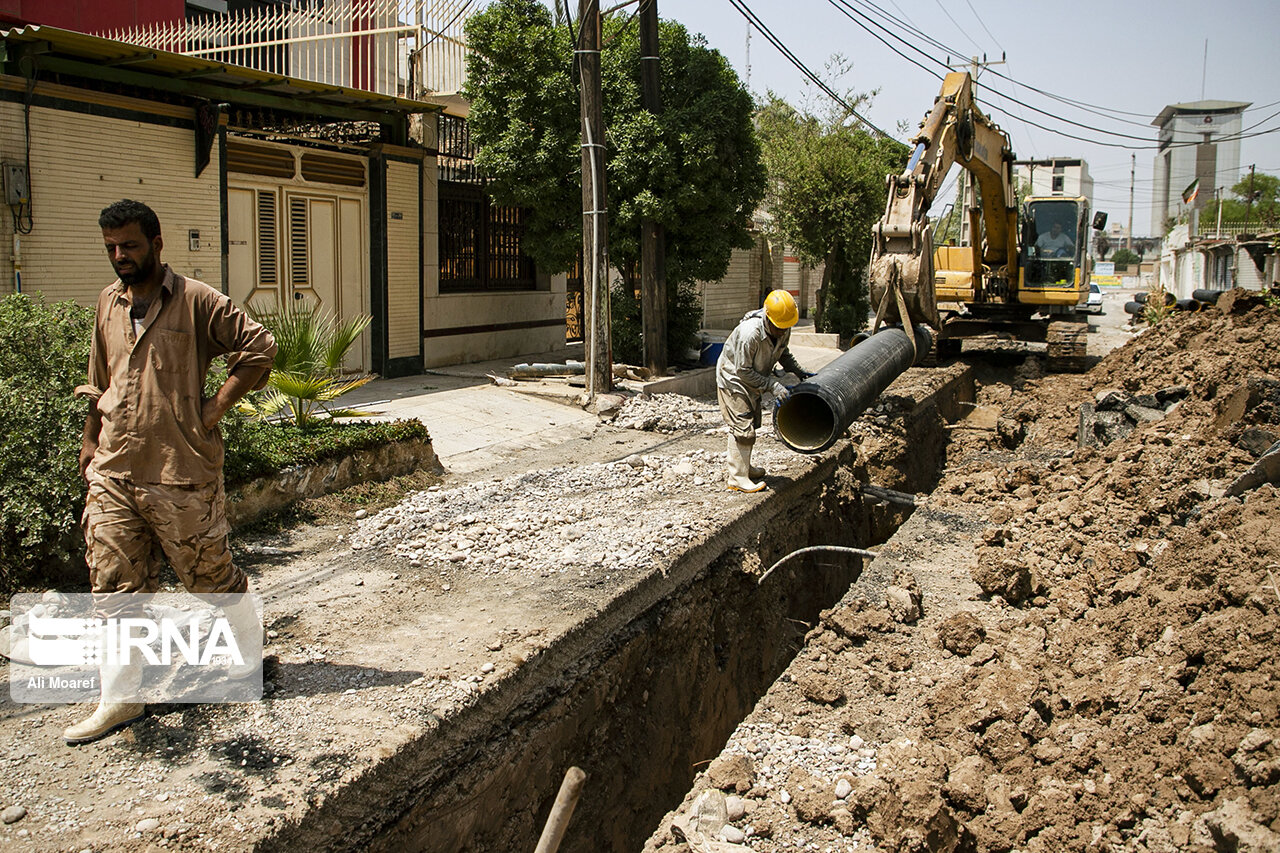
(819, 410)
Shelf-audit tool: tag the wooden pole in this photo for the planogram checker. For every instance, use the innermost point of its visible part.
(653, 277)
(595, 222)
(561, 811)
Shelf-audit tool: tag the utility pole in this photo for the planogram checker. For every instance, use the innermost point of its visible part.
(653, 272)
(1133, 163)
(595, 221)
(1248, 209)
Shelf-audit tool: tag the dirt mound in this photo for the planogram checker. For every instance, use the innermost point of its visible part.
(1111, 681)
(1134, 703)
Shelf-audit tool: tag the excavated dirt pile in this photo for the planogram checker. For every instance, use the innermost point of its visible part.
(1110, 679)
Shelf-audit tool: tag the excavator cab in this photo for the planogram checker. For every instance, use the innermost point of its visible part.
(1055, 242)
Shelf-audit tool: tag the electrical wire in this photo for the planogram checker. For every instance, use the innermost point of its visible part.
(840, 5)
(764, 30)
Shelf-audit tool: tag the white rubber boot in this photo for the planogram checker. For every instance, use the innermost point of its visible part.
(739, 456)
(247, 629)
(118, 707)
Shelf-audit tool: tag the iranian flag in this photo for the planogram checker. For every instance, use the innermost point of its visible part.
(1190, 193)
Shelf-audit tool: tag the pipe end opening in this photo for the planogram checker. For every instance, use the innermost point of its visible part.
(805, 422)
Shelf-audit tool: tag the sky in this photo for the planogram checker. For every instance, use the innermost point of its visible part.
(1124, 59)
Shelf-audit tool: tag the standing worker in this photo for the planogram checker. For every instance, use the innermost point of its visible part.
(745, 371)
(152, 453)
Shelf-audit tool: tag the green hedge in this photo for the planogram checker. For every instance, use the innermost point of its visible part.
(44, 353)
(256, 449)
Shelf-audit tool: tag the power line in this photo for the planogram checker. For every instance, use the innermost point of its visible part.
(849, 11)
(840, 6)
(755, 21)
(971, 39)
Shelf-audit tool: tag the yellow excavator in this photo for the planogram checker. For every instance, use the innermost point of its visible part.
(1025, 271)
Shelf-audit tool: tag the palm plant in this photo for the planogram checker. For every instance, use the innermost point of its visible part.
(307, 373)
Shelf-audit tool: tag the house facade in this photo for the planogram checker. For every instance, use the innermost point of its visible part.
(1064, 176)
(273, 189)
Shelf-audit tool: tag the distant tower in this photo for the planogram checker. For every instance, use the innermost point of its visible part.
(1198, 140)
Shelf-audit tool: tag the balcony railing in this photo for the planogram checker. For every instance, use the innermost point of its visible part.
(405, 48)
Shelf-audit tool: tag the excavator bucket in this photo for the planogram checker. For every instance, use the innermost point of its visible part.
(902, 278)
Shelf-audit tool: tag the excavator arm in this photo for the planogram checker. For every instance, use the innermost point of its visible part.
(902, 249)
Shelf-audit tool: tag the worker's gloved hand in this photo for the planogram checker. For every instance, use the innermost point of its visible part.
(781, 392)
(804, 374)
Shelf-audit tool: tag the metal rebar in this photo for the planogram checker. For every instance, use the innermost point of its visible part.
(857, 552)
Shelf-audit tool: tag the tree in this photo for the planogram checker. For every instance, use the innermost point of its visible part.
(695, 168)
(1265, 208)
(1102, 245)
(826, 190)
(1125, 257)
(524, 119)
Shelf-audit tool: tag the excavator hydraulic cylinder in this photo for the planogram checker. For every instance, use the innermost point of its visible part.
(820, 410)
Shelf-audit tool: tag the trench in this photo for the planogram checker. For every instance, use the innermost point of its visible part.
(643, 696)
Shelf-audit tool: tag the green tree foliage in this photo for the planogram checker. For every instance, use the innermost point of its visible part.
(695, 168)
(44, 353)
(1102, 245)
(1124, 257)
(826, 190)
(1266, 203)
(524, 117)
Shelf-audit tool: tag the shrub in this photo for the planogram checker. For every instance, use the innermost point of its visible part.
(1124, 257)
(307, 373)
(44, 354)
(684, 319)
(261, 449)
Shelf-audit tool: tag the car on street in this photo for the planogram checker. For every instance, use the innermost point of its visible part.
(1094, 304)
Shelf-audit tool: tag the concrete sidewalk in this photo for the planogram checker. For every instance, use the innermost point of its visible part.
(475, 424)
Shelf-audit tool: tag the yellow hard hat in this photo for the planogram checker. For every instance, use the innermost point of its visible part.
(780, 308)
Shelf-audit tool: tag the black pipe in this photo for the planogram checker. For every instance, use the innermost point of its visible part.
(1140, 297)
(1209, 296)
(819, 410)
(1188, 305)
(1135, 308)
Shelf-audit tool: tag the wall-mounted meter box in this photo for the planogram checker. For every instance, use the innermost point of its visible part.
(17, 189)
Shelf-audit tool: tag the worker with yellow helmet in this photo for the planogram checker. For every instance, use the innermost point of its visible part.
(745, 371)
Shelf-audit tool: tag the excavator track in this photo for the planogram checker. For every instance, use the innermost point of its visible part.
(1068, 342)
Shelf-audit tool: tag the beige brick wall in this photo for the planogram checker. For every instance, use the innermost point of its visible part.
(80, 164)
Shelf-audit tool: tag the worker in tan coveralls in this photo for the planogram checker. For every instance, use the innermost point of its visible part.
(152, 452)
(744, 372)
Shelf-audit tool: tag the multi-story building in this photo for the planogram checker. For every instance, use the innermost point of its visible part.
(1200, 141)
(1055, 176)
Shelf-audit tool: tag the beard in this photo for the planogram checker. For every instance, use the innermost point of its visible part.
(133, 274)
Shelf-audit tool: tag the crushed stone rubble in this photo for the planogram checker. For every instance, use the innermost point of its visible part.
(589, 518)
(669, 413)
